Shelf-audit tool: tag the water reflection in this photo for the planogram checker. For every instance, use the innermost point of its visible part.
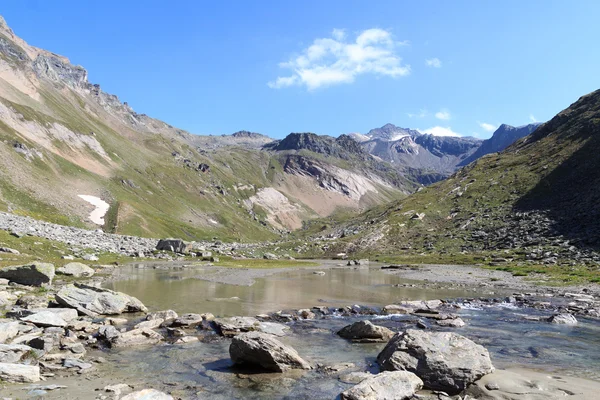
(183, 291)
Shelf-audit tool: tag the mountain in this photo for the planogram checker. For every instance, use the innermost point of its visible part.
(502, 137)
(62, 136)
(423, 157)
(537, 202)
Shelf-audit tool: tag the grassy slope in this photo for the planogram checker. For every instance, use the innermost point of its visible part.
(555, 171)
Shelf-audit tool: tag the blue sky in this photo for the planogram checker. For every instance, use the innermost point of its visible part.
(328, 67)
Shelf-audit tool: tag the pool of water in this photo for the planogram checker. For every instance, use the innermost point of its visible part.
(203, 370)
(184, 290)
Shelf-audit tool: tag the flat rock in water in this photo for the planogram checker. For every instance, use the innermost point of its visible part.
(34, 274)
(78, 270)
(136, 337)
(165, 315)
(93, 301)
(235, 325)
(188, 320)
(147, 394)
(19, 373)
(366, 332)
(265, 351)
(452, 323)
(563, 319)
(396, 385)
(443, 360)
(396, 309)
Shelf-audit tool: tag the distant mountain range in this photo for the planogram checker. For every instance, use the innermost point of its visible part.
(428, 158)
(62, 136)
(535, 203)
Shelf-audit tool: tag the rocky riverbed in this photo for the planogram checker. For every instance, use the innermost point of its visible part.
(66, 337)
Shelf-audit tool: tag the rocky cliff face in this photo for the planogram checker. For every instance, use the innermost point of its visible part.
(424, 157)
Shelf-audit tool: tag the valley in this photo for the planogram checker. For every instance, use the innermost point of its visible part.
(142, 261)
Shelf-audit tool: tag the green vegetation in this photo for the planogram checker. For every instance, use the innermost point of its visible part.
(263, 264)
(39, 249)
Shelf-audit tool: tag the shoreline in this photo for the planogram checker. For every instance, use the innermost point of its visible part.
(103, 374)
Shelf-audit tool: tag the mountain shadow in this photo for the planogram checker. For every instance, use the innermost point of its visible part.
(570, 193)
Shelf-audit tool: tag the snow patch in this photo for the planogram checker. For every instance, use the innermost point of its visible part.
(96, 216)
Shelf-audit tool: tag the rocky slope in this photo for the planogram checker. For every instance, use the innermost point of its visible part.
(502, 137)
(537, 200)
(62, 136)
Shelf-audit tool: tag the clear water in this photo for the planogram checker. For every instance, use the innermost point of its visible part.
(203, 370)
(183, 290)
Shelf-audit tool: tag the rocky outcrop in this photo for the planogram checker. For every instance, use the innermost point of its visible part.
(366, 332)
(174, 245)
(443, 360)
(396, 385)
(502, 137)
(34, 274)
(93, 301)
(75, 269)
(265, 351)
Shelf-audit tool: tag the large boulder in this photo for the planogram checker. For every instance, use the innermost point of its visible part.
(93, 301)
(78, 270)
(395, 385)
(366, 332)
(443, 360)
(45, 319)
(264, 350)
(34, 274)
(174, 245)
(235, 325)
(147, 394)
(19, 373)
(13, 353)
(8, 330)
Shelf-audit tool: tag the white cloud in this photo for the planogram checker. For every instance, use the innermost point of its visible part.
(331, 61)
(443, 114)
(487, 127)
(421, 114)
(433, 62)
(338, 34)
(440, 131)
(532, 118)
